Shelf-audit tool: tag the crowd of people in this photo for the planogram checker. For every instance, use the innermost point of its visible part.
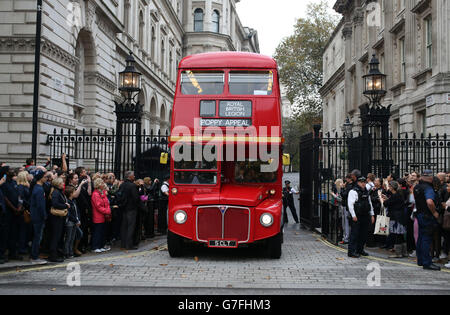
(53, 213)
(417, 206)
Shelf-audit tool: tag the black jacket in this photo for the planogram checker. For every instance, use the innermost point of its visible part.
(396, 208)
(129, 196)
(73, 215)
(59, 200)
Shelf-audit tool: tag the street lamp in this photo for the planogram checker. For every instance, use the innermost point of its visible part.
(375, 121)
(347, 128)
(374, 83)
(128, 113)
(130, 79)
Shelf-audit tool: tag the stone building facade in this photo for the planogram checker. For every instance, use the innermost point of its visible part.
(83, 48)
(412, 42)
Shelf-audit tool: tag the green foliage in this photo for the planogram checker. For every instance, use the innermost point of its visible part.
(300, 60)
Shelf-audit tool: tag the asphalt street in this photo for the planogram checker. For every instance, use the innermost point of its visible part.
(309, 265)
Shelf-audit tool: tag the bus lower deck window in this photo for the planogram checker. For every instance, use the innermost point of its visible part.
(195, 178)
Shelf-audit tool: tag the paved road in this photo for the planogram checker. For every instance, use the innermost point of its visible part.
(309, 265)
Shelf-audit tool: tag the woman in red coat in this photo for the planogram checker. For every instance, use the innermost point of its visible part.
(100, 209)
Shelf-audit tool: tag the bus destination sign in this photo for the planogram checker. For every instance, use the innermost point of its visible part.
(235, 109)
(225, 122)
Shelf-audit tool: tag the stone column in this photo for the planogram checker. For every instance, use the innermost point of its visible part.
(208, 12)
(358, 20)
(389, 48)
(189, 18)
(347, 33)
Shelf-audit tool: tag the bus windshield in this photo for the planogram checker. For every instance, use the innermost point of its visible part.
(202, 83)
(195, 164)
(250, 172)
(251, 83)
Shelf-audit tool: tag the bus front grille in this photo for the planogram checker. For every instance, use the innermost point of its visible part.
(223, 223)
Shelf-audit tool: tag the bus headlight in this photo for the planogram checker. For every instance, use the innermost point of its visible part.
(180, 217)
(266, 219)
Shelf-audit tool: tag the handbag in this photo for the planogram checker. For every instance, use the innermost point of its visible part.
(382, 223)
(27, 217)
(58, 213)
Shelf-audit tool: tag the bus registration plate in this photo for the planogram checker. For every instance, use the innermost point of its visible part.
(222, 244)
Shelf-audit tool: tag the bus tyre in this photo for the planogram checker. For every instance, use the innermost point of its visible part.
(274, 246)
(174, 244)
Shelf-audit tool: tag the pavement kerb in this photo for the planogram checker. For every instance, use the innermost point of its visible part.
(29, 268)
(327, 243)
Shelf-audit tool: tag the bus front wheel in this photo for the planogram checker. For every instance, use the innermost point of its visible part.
(274, 246)
(174, 244)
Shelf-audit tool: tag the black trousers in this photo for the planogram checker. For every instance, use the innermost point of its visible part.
(116, 222)
(128, 227)
(57, 228)
(293, 211)
(162, 216)
(358, 234)
(149, 219)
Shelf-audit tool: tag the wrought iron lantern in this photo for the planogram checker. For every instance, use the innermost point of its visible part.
(130, 78)
(374, 83)
(347, 128)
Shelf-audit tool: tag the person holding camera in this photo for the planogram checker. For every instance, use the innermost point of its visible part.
(361, 210)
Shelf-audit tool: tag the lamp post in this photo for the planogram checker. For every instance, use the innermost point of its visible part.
(128, 112)
(37, 62)
(375, 120)
(347, 128)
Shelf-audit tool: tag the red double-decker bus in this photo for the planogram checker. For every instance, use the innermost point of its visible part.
(226, 153)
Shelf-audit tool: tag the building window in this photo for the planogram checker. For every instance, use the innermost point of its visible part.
(171, 65)
(396, 127)
(163, 53)
(402, 60)
(429, 41)
(216, 21)
(198, 20)
(421, 122)
(153, 48)
(126, 16)
(141, 30)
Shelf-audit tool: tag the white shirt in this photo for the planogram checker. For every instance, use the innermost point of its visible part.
(370, 186)
(352, 198)
(165, 187)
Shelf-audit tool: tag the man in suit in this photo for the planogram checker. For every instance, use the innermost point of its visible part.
(129, 203)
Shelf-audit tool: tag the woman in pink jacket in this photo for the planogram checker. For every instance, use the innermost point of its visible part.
(100, 209)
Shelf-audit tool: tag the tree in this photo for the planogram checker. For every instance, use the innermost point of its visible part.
(300, 61)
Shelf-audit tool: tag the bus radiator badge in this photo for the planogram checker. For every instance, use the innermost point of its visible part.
(223, 209)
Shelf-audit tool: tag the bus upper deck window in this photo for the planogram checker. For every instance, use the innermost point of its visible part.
(251, 83)
(202, 83)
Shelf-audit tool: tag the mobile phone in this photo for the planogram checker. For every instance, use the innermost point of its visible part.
(4, 176)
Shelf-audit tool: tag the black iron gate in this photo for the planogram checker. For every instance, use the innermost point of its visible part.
(96, 150)
(325, 158)
(308, 178)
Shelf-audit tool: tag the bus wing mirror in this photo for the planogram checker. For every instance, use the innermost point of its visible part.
(286, 159)
(164, 157)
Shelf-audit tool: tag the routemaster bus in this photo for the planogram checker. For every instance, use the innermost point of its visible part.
(226, 153)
